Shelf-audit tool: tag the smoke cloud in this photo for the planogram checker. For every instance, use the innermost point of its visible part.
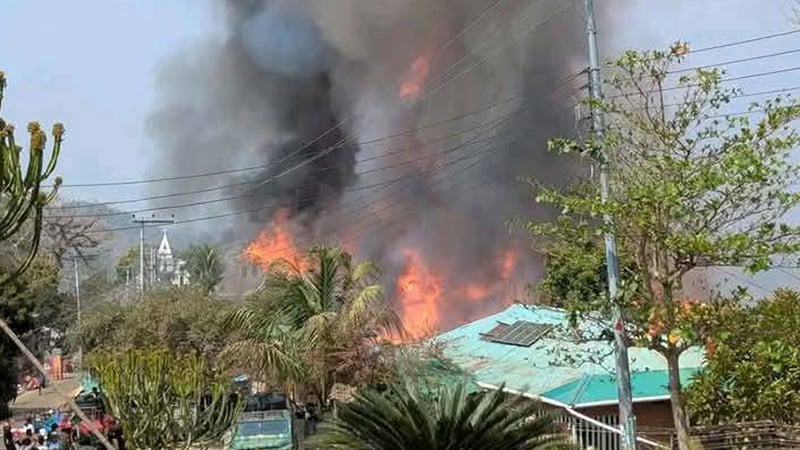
(311, 89)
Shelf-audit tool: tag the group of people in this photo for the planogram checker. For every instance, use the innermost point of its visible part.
(52, 431)
(41, 432)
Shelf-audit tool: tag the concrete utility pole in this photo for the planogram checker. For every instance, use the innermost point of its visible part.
(76, 259)
(626, 416)
(152, 220)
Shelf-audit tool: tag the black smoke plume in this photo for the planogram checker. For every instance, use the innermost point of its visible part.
(293, 85)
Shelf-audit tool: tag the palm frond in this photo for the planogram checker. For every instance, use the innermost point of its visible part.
(404, 420)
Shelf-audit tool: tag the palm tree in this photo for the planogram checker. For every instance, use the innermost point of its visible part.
(204, 265)
(309, 317)
(405, 419)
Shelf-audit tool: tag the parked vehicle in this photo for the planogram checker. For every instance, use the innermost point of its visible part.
(257, 430)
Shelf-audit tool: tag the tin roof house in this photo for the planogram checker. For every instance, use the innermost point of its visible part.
(529, 350)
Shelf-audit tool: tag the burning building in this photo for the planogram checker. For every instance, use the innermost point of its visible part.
(399, 129)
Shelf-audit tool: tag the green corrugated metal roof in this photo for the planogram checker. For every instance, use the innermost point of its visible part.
(592, 389)
(545, 370)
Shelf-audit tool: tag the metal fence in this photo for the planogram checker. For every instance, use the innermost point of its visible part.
(587, 435)
(746, 435)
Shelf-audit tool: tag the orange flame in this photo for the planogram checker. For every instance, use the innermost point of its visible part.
(415, 79)
(274, 244)
(508, 264)
(420, 294)
(477, 292)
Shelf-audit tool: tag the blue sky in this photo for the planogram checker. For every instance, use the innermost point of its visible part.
(93, 64)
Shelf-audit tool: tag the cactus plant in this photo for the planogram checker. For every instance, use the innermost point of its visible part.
(22, 194)
(164, 400)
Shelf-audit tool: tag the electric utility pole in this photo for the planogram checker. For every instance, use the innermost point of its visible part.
(76, 258)
(626, 417)
(152, 220)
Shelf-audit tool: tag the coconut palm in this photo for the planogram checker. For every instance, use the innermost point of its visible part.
(404, 419)
(310, 316)
(205, 266)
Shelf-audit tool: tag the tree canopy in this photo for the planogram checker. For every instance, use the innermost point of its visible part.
(314, 320)
(205, 266)
(182, 320)
(692, 185)
(753, 366)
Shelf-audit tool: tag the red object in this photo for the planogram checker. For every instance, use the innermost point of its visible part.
(57, 368)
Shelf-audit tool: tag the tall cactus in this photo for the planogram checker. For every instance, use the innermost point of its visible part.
(22, 196)
(165, 400)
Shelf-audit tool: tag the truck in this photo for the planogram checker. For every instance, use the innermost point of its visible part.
(259, 430)
(267, 422)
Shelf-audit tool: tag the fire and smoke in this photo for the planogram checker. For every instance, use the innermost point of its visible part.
(292, 86)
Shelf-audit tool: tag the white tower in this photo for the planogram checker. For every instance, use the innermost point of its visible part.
(166, 263)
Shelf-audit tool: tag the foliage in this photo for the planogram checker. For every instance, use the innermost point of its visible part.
(205, 266)
(405, 420)
(165, 400)
(575, 271)
(314, 320)
(691, 187)
(126, 265)
(753, 367)
(183, 320)
(8, 380)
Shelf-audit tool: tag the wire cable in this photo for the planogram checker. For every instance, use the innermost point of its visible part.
(249, 194)
(737, 61)
(725, 80)
(744, 41)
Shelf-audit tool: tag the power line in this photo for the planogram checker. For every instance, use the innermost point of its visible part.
(344, 141)
(264, 166)
(244, 195)
(744, 41)
(725, 80)
(522, 107)
(751, 94)
(737, 61)
(252, 210)
(341, 210)
(742, 279)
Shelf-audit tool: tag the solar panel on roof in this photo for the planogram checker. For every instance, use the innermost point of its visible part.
(522, 333)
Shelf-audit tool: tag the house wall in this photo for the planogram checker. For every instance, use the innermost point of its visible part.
(648, 414)
(653, 420)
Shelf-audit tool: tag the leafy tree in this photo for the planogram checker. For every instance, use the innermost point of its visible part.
(311, 318)
(182, 320)
(692, 187)
(127, 264)
(205, 266)
(404, 419)
(753, 366)
(165, 400)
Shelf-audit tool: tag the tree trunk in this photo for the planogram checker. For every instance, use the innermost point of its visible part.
(676, 398)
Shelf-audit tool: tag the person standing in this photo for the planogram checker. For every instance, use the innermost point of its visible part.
(42, 381)
(8, 437)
